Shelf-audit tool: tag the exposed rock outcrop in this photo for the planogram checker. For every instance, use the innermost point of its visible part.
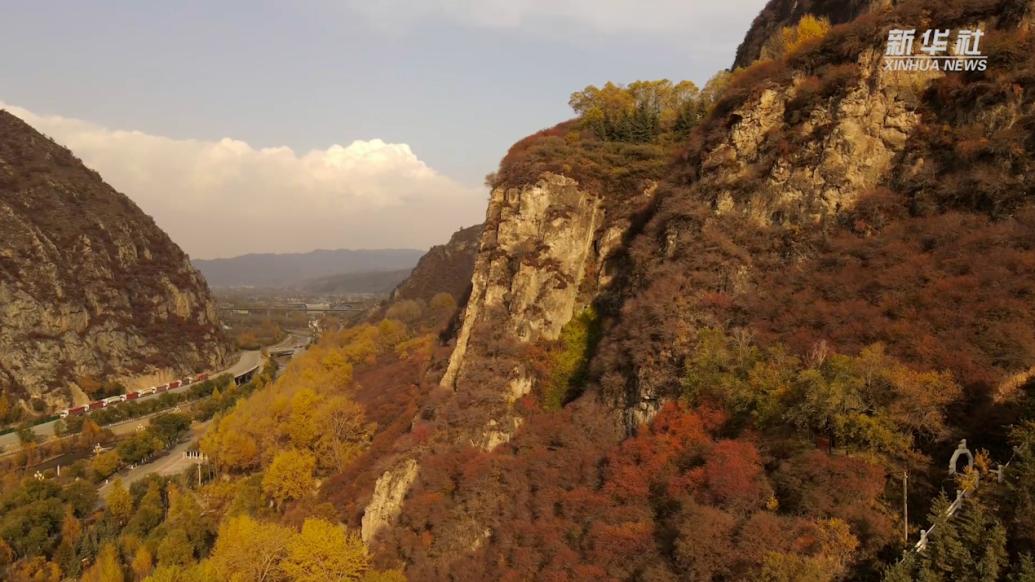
(89, 285)
(532, 260)
(387, 500)
(542, 259)
(766, 173)
(841, 148)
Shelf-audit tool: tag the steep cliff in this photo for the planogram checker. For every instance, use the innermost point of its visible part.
(822, 204)
(542, 260)
(90, 287)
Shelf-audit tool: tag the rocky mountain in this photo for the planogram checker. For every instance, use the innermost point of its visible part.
(813, 221)
(443, 269)
(295, 269)
(91, 290)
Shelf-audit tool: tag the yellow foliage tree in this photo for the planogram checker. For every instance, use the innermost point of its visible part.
(420, 348)
(639, 112)
(186, 514)
(90, 434)
(390, 333)
(107, 567)
(325, 551)
(407, 310)
(104, 464)
(835, 547)
(306, 408)
(120, 502)
(232, 449)
(808, 30)
(142, 563)
(302, 427)
(442, 305)
(71, 528)
(344, 433)
(35, 569)
(251, 550)
(175, 549)
(289, 476)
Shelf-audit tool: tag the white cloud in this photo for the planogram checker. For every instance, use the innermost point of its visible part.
(670, 17)
(226, 197)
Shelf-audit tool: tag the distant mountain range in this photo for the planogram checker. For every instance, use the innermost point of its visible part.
(364, 268)
(362, 282)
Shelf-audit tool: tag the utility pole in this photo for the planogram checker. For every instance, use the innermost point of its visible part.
(905, 507)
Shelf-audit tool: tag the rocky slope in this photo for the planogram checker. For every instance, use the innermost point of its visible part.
(822, 203)
(443, 269)
(90, 287)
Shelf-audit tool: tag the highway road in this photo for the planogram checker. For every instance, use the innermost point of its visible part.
(174, 462)
(247, 361)
(171, 463)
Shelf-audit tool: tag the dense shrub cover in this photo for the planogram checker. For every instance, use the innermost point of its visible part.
(822, 359)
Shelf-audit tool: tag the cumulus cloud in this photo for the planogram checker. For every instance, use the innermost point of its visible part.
(224, 198)
(675, 17)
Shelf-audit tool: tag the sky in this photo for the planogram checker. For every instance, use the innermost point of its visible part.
(272, 126)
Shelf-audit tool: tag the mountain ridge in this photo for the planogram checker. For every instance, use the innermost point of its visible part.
(90, 288)
(287, 269)
(445, 268)
(801, 222)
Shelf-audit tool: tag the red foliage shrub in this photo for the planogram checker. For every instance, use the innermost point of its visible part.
(837, 486)
(560, 506)
(733, 476)
(950, 291)
(612, 169)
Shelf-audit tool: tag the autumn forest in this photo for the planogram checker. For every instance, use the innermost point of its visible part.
(724, 332)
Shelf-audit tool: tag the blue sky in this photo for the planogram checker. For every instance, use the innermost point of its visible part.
(454, 81)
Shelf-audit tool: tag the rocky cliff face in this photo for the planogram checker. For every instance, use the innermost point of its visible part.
(90, 287)
(542, 260)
